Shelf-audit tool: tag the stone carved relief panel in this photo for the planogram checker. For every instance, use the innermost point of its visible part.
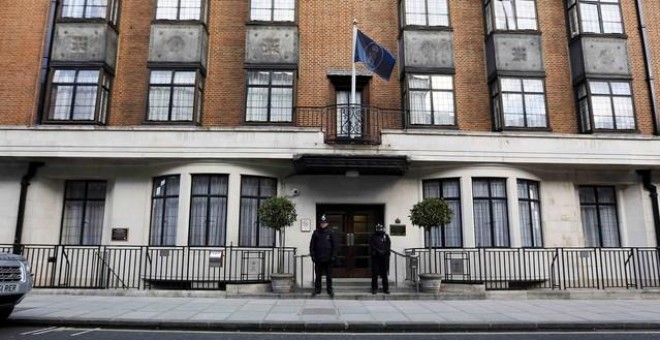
(517, 52)
(428, 49)
(605, 56)
(276, 45)
(178, 43)
(76, 42)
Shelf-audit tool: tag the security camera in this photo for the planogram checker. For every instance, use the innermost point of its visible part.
(295, 192)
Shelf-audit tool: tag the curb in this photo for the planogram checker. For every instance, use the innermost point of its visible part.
(357, 327)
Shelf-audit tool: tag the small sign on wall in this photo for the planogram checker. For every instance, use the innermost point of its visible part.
(397, 229)
(120, 234)
(305, 225)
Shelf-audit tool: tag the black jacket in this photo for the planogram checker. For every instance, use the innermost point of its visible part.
(380, 244)
(322, 247)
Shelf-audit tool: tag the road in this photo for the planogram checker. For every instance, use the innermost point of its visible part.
(59, 333)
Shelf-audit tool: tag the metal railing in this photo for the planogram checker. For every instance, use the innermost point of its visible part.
(554, 268)
(350, 124)
(147, 267)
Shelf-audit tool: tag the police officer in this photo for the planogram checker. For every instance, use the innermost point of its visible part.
(323, 251)
(380, 258)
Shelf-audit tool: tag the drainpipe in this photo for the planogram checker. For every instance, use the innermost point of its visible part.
(25, 182)
(649, 66)
(45, 60)
(653, 193)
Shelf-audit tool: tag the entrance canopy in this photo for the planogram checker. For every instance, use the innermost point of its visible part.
(310, 164)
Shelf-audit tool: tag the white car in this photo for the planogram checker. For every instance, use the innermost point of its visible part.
(15, 282)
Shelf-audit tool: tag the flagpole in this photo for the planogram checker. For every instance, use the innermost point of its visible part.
(353, 95)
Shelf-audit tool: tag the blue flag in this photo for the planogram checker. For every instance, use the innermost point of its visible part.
(376, 58)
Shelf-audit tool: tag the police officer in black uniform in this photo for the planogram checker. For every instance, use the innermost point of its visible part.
(323, 251)
(380, 258)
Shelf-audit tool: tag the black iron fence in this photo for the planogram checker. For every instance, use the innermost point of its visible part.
(146, 267)
(555, 268)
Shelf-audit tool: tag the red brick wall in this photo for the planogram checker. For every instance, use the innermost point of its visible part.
(22, 32)
(471, 88)
(636, 59)
(559, 86)
(129, 92)
(652, 20)
(325, 44)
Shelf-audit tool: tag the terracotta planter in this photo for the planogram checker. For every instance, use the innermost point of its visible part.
(430, 282)
(281, 282)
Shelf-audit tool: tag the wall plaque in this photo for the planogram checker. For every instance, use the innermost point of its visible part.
(397, 229)
(120, 234)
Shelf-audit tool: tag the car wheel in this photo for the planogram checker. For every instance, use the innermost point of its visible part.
(5, 312)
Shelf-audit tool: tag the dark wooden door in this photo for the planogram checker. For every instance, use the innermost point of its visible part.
(352, 226)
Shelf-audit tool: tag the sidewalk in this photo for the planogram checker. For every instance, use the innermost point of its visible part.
(216, 312)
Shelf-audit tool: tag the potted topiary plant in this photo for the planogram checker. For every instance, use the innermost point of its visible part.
(279, 213)
(426, 214)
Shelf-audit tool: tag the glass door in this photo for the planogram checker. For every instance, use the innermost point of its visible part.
(349, 117)
(352, 226)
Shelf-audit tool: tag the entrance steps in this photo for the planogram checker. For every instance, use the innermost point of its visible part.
(360, 289)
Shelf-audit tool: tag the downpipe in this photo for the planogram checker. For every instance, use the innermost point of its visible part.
(653, 194)
(20, 217)
(649, 66)
(45, 60)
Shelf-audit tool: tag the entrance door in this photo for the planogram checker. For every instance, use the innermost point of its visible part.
(353, 226)
(349, 118)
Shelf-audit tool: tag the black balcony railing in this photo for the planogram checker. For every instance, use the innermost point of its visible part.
(350, 124)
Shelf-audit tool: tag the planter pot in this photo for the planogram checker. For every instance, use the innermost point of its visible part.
(281, 282)
(430, 282)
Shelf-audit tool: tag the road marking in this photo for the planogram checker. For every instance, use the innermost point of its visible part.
(38, 331)
(85, 332)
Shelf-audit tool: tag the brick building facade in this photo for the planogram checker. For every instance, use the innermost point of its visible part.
(534, 119)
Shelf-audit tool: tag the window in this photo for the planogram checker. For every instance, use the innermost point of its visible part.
(491, 221)
(449, 235)
(518, 103)
(181, 10)
(90, 9)
(426, 13)
(511, 15)
(606, 105)
(82, 219)
(164, 211)
(529, 204)
(255, 190)
(269, 96)
(599, 216)
(208, 210)
(272, 10)
(175, 96)
(79, 96)
(431, 99)
(594, 16)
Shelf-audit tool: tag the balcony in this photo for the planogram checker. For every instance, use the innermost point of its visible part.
(350, 124)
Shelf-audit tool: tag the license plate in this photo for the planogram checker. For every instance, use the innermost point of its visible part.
(8, 288)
